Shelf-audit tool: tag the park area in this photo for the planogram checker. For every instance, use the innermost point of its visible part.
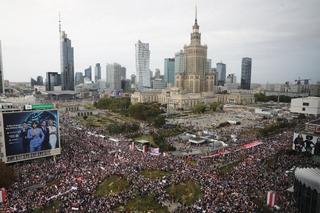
(146, 203)
(185, 192)
(112, 186)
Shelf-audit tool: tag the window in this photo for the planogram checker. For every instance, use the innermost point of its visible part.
(303, 109)
(305, 104)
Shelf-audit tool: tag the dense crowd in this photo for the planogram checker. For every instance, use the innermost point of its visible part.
(87, 159)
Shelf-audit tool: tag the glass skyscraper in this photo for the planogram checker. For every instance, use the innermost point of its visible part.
(246, 73)
(97, 72)
(221, 71)
(169, 70)
(88, 73)
(143, 64)
(67, 62)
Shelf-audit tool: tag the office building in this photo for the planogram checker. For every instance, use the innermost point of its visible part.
(169, 73)
(113, 77)
(97, 72)
(307, 106)
(180, 62)
(157, 73)
(209, 65)
(231, 79)
(39, 80)
(67, 61)
(143, 65)
(221, 71)
(159, 83)
(133, 79)
(196, 78)
(123, 73)
(1, 73)
(88, 74)
(246, 73)
(79, 78)
(52, 79)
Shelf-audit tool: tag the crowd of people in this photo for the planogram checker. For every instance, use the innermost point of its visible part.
(88, 159)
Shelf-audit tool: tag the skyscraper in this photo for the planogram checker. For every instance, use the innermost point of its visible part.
(221, 70)
(196, 78)
(157, 73)
(67, 61)
(40, 80)
(123, 74)
(52, 79)
(169, 72)
(1, 73)
(97, 72)
(133, 79)
(113, 76)
(143, 64)
(79, 79)
(246, 73)
(88, 73)
(180, 62)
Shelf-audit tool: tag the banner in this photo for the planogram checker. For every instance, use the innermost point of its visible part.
(3, 196)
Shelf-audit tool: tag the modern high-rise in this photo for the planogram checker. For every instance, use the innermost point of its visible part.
(133, 79)
(97, 72)
(246, 73)
(123, 74)
(180, 62)
(1, 73)
(39, 80)
(157, 73)
(52, 79)
(231, 79)
(67, 62)
(169, 71)
(221, 71)
(113, 76)
(79, 78)
(196, 78)
(88, 73)
(143, 64)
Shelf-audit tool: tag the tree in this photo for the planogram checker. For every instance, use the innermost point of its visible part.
(7, 176)
(199, 108)
(159, 121)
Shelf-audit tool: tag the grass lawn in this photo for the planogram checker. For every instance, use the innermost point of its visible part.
(185, 192)
(50, 208)
(154, 174)
(111, 186)
(142, 204)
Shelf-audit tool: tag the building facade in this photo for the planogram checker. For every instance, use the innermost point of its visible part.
(97, 72)
(143, 65)
(123, 74)
(1, 73)
(306, 106)
(79, 79)
(195, 78)
(221, 71)
(88, 73)
(52, 79)
(67, 62)
(169, 71)
(113, 76)
(246, 73)
(180, 62)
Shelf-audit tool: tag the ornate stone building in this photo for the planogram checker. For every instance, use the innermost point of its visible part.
(196, 78)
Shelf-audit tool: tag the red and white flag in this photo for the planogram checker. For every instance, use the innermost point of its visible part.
(271, 197)
(3, 195)
(132, 146)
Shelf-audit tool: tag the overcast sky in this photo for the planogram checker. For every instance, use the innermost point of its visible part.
(281, 36)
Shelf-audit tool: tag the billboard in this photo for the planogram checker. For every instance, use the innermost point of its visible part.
(304, 142)
(31, 131)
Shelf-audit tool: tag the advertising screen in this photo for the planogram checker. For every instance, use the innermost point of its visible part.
(31, 131)
(303, 142)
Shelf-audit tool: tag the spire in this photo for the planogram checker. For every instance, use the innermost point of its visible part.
(59, 23)
(195, 20)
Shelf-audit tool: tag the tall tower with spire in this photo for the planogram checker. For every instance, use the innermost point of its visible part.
(195, 79)
(66, 60)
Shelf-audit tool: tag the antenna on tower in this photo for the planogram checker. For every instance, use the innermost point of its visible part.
(196, 14)
(59, 22)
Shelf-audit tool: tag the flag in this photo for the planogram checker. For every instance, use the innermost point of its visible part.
(144, 148)
(271, 197)
(3, 195)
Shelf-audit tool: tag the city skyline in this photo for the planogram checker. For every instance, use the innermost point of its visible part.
(280, 37)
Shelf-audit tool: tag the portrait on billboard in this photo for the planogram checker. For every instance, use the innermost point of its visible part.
(306, 143)
(31, 131)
